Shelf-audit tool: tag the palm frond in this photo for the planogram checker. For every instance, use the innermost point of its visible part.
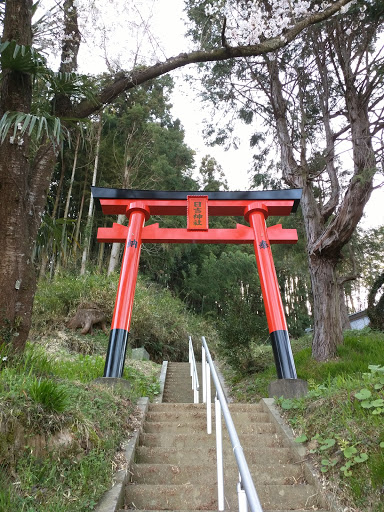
(22, 123)
(23, 58)
(71, 84)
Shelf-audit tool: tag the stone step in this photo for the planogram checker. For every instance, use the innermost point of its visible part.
(264, 510)
(184, 382)
(181, 371)
(201, 426)
(173, 398)
(186, 390)
(177, 406)
(186, 440)
(251, 422)
(180, 377)
(201, 414)
(178, 385)
(189, 496)
(262, 474)
(191, 457)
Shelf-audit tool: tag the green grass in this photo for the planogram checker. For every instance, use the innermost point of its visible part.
(341, 421)
(49, 393)
(160, 322)
(360, 349)
(42, 398)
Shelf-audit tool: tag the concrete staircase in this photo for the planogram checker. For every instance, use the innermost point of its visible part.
(175, 467)
(178, 387)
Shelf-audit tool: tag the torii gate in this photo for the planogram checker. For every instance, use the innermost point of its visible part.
(255, 206)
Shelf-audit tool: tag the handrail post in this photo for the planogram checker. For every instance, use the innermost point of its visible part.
(193, 372)
(208, 396)
(204, 374)
(219, 456)
(195, 393)
(190, 357)
(242, 497)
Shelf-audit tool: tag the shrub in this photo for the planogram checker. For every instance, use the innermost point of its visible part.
(49, 394)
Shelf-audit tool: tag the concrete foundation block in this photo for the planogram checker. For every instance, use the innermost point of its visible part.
(140, 354)
(288, 388)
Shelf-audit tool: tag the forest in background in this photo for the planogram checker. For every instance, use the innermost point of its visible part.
(135, 143)
(61, 131)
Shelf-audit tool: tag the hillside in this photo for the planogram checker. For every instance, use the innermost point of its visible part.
(58, 427)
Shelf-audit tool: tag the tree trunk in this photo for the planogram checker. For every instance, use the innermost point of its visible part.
(100, 257)
(79, 217)
(64, 241)
(345, 322)
(326, 307)
(21, 201)
(88, 227)
(329, 221)
(115, 251)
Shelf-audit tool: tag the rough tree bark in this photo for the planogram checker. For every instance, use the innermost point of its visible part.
(329, 226)
(23, 187)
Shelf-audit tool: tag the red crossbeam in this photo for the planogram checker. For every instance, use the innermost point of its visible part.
(241, 235)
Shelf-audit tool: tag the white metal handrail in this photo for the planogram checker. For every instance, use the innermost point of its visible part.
(193, 372)
(247, 495)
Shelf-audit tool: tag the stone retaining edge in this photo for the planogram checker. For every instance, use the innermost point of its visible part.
(114, 498)
(311, 474)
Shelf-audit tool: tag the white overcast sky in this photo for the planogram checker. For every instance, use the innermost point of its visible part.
(166, 24)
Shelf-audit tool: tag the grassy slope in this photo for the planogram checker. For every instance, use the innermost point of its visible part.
(48, 393)
(341, 425)
(43, 399)
(50, 390)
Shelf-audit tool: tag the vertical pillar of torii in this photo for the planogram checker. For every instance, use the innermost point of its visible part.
(255, 214)
(137, 213)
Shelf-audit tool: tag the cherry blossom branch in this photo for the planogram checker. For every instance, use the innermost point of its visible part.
(125, 81)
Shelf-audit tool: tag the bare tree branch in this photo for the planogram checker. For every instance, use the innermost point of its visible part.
(138, 76)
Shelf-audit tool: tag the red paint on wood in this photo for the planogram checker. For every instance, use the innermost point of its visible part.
(256, 214)
(137, 214)
(241, 235)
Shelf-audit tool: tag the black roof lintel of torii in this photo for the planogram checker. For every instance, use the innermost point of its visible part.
(248, 195)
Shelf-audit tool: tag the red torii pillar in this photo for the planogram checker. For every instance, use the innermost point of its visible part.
(256, 214)
(137, 214)
(256, 206)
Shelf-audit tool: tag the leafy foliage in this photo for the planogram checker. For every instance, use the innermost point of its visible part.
(24, 59)
(27, 124)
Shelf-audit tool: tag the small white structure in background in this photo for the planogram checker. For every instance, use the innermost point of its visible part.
(359, 320)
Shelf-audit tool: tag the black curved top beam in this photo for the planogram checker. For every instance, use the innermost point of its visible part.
(253, 195)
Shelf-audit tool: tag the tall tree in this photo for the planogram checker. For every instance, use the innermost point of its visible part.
(88, 227)
(212, 176)
(321, 98)
(26, 168)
